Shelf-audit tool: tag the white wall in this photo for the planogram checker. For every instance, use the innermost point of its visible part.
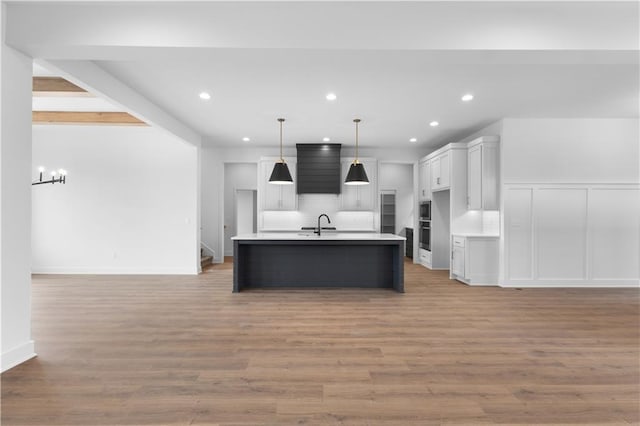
(399, 177)
(570, 150)
(571, 202)
(129, 206)
(15, 204)
(236, 176)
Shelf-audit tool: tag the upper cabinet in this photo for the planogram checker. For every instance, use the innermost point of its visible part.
(277, 197)
(482, 174)
(441, 172)
(359, 197)
(424, 178)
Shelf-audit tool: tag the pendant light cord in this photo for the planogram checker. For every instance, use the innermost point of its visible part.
(357, 121)
(281, 120)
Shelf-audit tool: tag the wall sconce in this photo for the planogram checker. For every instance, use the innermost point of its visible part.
(62, 177)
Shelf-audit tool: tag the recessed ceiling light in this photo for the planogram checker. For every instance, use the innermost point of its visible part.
(205, 96)
(246, 139)
(434, 124)
(331, 96)
(325, 139)
(413, 140)
(467, 97)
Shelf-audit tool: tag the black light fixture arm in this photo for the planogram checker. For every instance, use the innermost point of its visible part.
(62, 177)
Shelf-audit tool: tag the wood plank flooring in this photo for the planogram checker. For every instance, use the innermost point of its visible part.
(149, 350)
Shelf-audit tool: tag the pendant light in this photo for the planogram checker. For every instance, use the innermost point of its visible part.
(356, 175)
(280, 174)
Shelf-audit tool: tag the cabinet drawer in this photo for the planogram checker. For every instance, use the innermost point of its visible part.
(458, 241)
(424, 257)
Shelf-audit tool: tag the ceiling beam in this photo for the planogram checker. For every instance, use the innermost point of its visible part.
(93, 118)
(99, 82)
(132, 30)
(57, 86)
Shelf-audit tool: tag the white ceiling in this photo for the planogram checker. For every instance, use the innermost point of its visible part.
(396, 93)
(397, 66)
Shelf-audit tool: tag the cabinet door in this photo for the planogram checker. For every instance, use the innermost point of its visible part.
(423, 178)
(490, 172)
(349, 194)
(271, 198)
(288, 193)
(435, 174)
(445, 168)
(474, 178)
(358, 197)
(457, 261)
(427, 180)
(278, 197)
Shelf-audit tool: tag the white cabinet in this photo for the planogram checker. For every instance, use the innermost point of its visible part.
(359, 197)
(424, 258)
(474, 259)
(440, 172)
(277, 197)
(482, 175)
(424, 180)
(457, 256)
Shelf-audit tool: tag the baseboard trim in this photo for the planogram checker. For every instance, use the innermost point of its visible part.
(571, 284)
(18, 355)
(114, 271)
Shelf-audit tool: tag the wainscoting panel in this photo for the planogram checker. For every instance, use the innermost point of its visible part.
(614, 216)
(560, 233)
(571, 235)
(519, 225)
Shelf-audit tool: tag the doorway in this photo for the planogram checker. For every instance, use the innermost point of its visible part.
(246, 211)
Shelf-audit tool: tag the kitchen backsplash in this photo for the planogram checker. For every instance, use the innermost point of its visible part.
(477, 222)
(310, 206)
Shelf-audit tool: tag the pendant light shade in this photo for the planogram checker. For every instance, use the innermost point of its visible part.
(280, 174)
(356, 175)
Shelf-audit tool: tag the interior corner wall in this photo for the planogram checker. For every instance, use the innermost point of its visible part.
(570, 203)
(236, 176)
(15, 205)
(399, 178)
(130, 204)
(212, 189)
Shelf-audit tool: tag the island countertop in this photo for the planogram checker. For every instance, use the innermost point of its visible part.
(328, 236)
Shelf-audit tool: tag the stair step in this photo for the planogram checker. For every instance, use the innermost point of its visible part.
(206, 261)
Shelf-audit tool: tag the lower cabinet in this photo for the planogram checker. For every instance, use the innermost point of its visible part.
(424, 258)
(457, 257)
(474, 259)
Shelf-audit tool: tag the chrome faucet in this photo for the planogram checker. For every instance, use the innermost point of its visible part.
(319, 217)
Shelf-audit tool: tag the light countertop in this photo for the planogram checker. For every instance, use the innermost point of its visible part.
(474, 234)
(329, 236)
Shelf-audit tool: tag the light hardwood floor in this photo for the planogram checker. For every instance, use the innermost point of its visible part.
(135, 350)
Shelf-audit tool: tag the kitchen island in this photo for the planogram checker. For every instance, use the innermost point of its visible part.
(298, 260)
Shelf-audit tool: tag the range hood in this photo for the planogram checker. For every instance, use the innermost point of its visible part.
(318, 168)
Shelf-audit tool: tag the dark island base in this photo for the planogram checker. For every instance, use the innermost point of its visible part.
(294, 263)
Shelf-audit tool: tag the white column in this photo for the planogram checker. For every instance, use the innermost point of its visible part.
(15, 204)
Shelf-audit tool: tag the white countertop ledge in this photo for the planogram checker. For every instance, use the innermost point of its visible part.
(474, 234)
(310, 236)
